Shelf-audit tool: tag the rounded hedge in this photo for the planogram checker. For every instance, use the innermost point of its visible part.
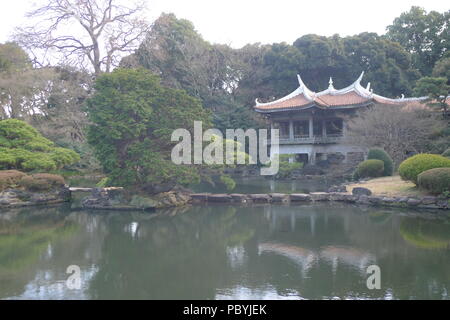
(369, 169)
(10, 178)
(436, 180)
(446, 153)
(380, 154)
(22, 147)
(415, 165)
(42, 182)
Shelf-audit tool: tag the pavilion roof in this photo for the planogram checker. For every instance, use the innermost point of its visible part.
(352, 96)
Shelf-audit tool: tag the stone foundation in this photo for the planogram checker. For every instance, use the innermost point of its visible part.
(13, 198)
(427, 202)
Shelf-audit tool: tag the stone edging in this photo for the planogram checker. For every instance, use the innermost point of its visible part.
(428, 202)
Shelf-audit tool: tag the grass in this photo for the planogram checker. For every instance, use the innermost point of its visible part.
(389, 186)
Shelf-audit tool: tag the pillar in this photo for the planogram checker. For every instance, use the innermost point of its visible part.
(291, 129)
(344, 128)
(324, 128)
(311, 128)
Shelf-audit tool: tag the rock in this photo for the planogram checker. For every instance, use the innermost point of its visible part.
(260, 198)
(360, 191)
(219, 198)
(388, 200)
(349, 198)
(238, 197)
(337, 189)
(443, 204)
(402, 200)
(363, 199)
(413, 202)
(19, 198)
(375, 200)
(200, 197)
(295, 197)
(143, 202)
(279, 197)
(337, 196)
(320, 196)
(429, 200)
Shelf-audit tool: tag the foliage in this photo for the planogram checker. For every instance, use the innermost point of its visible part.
(397, 130)
(10, 178)
(415, 165)
(23, 147)
(228, 182)
(436, 180)
(273, 70)
(133, 117)
(424, 35)
(442, 67)
(286, 168)
(104, 182)
(446, 153)
(13, 58)
(174, 50)
(369, 169)
(437, 90)
(380, 154)
(42, 182)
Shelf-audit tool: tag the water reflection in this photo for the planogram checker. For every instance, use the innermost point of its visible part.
(225, 252)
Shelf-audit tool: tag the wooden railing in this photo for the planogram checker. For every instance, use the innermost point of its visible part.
(301, 139)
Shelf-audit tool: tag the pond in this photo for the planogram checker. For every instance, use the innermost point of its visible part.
(225, 252)
(259, 184)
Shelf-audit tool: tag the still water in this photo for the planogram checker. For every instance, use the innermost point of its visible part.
(225, 252)
(259, 184)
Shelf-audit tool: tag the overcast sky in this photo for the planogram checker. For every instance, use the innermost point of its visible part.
(238, 22)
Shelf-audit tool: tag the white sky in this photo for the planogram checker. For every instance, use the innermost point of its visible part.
(238, 22)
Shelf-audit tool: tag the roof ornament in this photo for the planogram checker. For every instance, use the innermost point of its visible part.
(358, 81)
(330, 84)
(304, 89)
(300, 81)
(403, 96)
(368, 87)
(257, 102)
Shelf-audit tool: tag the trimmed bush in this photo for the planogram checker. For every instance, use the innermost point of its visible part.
(446, 153)
(436, 181)
(380, 154)
(10, 179)
(369, 169)
(415, 165)
(42, 182)
(23, 147)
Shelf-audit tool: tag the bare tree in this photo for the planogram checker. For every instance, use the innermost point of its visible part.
(399, 130)
(92, 34)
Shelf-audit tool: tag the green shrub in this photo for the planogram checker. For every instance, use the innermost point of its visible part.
(103, 183)
(415, 165)
(369, 169)
(228, 182)
(42, 182)
(446, 153)
(286, 168)
(10, 179)
(436, 180)
(23, 147)
(380, 154)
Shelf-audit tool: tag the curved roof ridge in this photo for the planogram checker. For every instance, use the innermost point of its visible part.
(302, 89)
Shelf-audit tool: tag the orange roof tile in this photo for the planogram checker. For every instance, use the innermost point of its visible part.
(346, 99)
